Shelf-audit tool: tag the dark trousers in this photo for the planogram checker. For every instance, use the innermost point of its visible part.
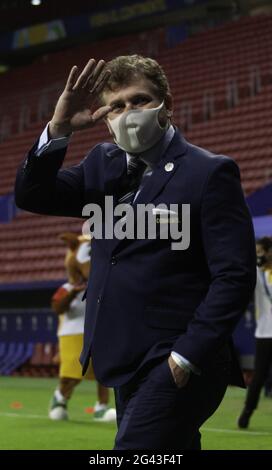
(263, 360)
(153, 413)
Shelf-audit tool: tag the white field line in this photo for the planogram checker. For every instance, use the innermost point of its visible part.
(19, 415)
(236, 431)
(230, 431)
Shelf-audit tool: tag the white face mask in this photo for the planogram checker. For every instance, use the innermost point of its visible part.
(137, 130)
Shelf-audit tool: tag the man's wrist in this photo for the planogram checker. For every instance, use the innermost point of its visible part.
(184, 364)
(48, 145)
(58, 130)
(180, 363)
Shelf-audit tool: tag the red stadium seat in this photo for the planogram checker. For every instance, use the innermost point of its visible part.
(204, 63)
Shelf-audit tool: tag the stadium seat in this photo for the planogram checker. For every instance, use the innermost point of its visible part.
(204, 63)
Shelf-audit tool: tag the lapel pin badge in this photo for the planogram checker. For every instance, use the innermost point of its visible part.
(169, 166)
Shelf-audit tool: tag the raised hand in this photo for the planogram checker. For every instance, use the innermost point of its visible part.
(73, 110)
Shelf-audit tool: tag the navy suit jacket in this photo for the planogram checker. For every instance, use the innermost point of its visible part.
(144, 299)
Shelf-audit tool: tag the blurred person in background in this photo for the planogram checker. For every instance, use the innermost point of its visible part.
(263, 332)
(67, 303)
(268, 383)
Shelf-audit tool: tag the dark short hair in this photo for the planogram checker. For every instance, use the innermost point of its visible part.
(127, 68)
(265, 242)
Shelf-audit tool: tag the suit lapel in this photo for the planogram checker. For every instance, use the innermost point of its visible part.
(113, 173)
(164, 171)
(114, 170)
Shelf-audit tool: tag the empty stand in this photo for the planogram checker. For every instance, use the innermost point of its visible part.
(15, 357)
(41, 362)
(202, 66)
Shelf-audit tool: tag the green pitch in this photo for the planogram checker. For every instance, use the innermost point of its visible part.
(24, 423)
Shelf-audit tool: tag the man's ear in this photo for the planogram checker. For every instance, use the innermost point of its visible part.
(168, 101)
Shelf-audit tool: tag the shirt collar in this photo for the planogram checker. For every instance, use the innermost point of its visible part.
(153, 155)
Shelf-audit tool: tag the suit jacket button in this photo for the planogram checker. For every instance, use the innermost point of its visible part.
(99, 300)
(113, 260)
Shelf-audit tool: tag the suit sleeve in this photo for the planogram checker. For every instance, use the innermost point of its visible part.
(229, 246)
(43, 187)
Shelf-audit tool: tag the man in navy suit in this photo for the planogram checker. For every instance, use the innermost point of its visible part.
(158, 320)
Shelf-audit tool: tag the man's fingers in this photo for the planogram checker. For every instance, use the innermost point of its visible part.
(100, 113)
(71, 79)
(85, 74)
(98, 69)
(95, 76)
(98, 87)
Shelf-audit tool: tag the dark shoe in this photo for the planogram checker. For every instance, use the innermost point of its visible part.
(244, 418)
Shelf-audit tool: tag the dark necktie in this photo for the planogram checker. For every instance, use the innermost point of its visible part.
(131, 181)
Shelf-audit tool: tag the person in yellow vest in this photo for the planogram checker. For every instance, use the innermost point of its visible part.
(68, 304)
(263, 332)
